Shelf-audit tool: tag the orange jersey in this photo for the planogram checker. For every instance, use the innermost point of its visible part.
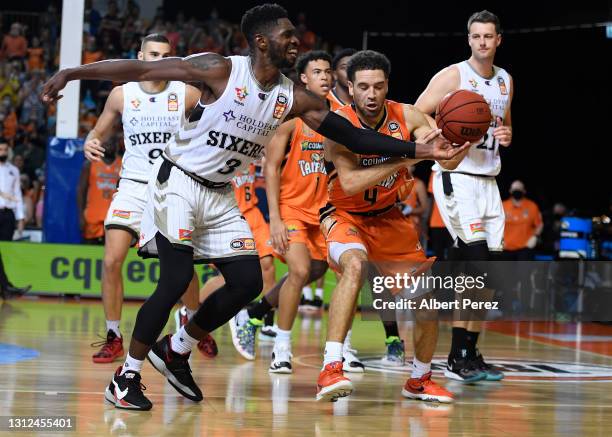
(103, 180)
(244, 189)
(521, 223)
(435, 220)
(385, 193)
(334, 101)
(303, 184)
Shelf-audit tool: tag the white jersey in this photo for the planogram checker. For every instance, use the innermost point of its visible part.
(149, 120)
(224, 137)
(483, 158)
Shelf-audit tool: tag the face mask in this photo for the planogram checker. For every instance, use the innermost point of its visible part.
(518, 195)
(3, 158)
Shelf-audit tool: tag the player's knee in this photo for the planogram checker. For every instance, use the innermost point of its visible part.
(299, 274)
(249, 281)
(353, 265)
(112, 263)
(317, 269)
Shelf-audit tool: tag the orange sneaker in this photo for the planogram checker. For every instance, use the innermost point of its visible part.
(112, 348)
(332, 384)
(425, 389)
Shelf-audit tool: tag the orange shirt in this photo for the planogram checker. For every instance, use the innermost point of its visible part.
(10, 125)
(303, 182)
(89, 57)
(103, 180)
(14, 46)
(35, 58)
(383, 194)
(244, 189)
(334, 101)
(521, 222)
(435, 221)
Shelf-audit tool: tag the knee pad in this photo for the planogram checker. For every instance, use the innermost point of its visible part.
(244, 277)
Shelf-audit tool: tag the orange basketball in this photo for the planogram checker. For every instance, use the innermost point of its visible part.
(463, 116)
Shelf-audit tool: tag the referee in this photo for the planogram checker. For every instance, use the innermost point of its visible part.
(11, 213)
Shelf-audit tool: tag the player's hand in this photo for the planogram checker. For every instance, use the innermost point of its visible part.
(531, 243)
(443, 149)
(503, 134)
(279, 235)
(53, 86)
(94, 151)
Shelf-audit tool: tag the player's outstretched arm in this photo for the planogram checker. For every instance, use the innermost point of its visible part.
(443, 82)
(317, 116)
(209, 68)
(93, 149)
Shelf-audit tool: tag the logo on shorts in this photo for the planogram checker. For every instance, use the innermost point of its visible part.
(185, 234)
(121, 214)
(281, 106)
(243, 244)
(476, 227)
(173, 102)
(292, 228)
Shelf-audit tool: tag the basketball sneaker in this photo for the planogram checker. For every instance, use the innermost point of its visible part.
(350, 363)
(462, 369)
(332, 384)
(267, 333)
(175, 367)
(243, 331)
(395, 356)
(281, 359)
(112, 348)
(425, 389)
(491, 372)
(317, 303)
(125, 391)
(207, 346)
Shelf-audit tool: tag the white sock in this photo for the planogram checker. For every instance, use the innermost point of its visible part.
(282, 338)
(319, 292)
(131, 364)
(307, 292)
(181, 342)
(189, 312)
(113, 325)
(333, 352)
(347, 339)
(419, 369)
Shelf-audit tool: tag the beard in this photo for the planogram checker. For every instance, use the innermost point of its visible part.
(278, 56)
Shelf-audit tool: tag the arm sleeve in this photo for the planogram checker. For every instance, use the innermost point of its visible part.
(364, 141)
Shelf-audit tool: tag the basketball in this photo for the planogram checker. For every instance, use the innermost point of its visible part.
(463, 116)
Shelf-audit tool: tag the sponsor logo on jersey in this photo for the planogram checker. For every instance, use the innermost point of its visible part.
(394, 130)
(152, 99)
(229, 116)
(173, 103)
(254, 126)
(243, 179)
(502, 85)
(234, 144)
(476, 227)
(242, 93)
(121, 214)
(316, 165)
(473, 83)
(311, 145)
(243, 244)
(149, 138)
(281, 105)
(135, 103)
(185, 234)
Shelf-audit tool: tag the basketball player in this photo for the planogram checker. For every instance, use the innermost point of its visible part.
(339, 94)
(192, 212)
(468, 197)
(361, 223)
(150, 112)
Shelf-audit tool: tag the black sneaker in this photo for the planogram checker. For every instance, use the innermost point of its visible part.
(491, 372)
(125, 391)
(317, 302)
(175, 367)
(463, 369)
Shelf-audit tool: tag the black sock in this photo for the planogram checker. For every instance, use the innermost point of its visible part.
(459, 343)
(269, 318)
(471, 339)
(259, 310)
(391, 329)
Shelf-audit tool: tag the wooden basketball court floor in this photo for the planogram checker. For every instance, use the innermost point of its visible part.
(559, 382)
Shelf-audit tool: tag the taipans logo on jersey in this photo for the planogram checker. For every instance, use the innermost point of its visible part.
(316, 165)
(473, 83)
(476, 227)
(242, 93)
(135, 103)
(173, 104)
(281, 105)
(185, 234)
(242, 244)
(502, 85)
(243, 179)
(394, 129)
(121, 214)
(311, 145)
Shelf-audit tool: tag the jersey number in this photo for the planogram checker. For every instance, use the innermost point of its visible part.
(247, 193)
(154, 154)
(370, 195)
(232, 164)
(484, 143)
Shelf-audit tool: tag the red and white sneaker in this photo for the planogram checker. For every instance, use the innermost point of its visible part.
(112, 348)
(180, 317)
(208, 347)
(332, 384)
(425, 389)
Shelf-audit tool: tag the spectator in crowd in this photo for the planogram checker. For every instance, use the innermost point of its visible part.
(523, 224)
(14, 45)
(36, 56)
